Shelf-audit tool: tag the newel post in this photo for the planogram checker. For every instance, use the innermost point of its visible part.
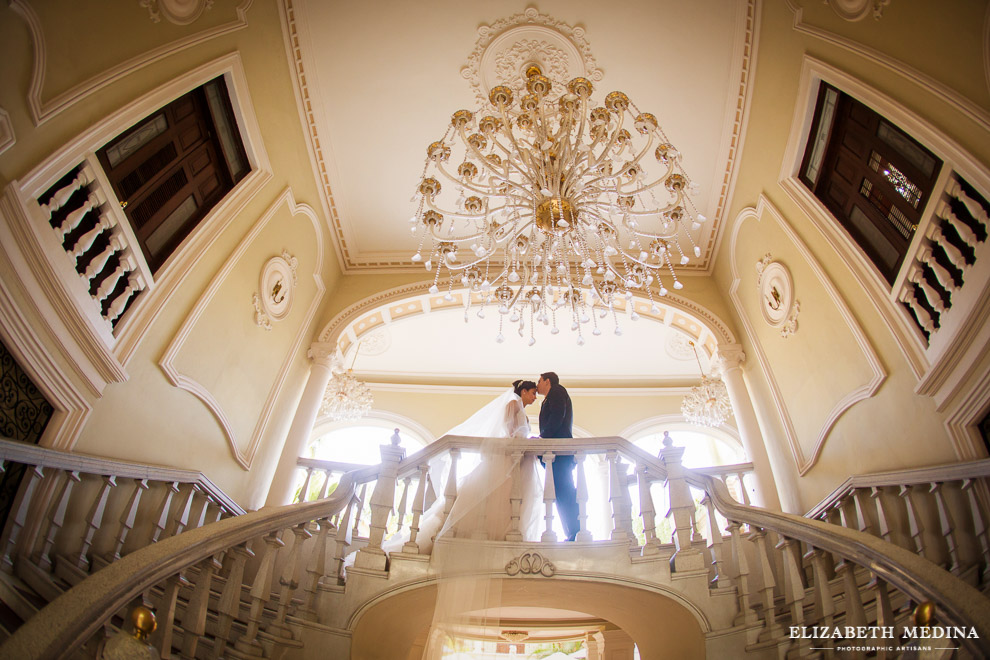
(681, 509)
(382, 501)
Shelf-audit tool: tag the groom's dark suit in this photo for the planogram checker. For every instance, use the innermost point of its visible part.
(556, 416)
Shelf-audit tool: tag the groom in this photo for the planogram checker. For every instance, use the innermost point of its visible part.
(556, 416)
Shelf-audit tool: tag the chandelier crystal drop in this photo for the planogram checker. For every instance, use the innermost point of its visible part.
(706, 404)
(346, 397)
(552, 206)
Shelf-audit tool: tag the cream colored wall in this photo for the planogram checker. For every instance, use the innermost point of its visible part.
(894, 428)
(147, 419)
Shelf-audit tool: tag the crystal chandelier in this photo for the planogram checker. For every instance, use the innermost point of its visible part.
(552, 207)
(346, 397)
(708, 403)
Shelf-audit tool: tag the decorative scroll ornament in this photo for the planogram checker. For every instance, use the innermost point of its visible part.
(277, 284)
(545, 203)
(530, 563)
(777, 302)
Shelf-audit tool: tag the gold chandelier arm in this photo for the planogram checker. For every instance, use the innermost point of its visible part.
(481, 157)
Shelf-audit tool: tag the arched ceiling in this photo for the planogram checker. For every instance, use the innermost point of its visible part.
(379, 80)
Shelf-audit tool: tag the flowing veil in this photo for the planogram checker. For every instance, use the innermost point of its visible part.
(466, 554)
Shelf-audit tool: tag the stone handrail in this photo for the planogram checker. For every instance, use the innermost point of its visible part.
(20, 452)
(957, 603)
(935, 474)
(68, 622)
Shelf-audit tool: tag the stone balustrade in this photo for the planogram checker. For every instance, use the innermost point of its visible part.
(278, 585)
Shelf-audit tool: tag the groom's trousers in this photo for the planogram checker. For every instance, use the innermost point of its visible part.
(567, 506)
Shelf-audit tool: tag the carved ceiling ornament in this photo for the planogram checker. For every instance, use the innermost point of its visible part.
(507, 46)
(857, 10)
(277, 284)
(530, 563)
(179, 12)
(777, 303)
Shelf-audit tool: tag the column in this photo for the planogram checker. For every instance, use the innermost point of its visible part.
(730, 359)
(320, 372)
(617, 645)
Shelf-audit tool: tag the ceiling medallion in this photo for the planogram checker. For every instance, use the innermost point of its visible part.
(546, 203)
(777, 303)
(277, 284)
(707, 404)
(679, 346)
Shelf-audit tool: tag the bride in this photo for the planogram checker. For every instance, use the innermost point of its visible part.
(482, 508)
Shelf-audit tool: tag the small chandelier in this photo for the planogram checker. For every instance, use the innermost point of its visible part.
(708, 403)
(346, 397)
(553, 207)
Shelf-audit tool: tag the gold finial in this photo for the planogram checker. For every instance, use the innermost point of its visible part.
(924, 613)
(533, 70)
(144, 623)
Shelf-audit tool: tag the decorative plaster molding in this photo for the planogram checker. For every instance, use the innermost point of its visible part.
(245, 458)
(179, 12)
(7, 138)
(530, 563)
(261, 319)
(857, 10)
(509, 44)
(778, 305)
(42, 111)
(274, 297)
(865, 391)
(942, 91)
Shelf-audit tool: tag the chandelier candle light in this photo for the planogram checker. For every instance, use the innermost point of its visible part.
(346, 397)
(546, 206)
(706, 404)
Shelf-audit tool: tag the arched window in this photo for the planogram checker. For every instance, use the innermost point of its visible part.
(358, 441)
(702, 449)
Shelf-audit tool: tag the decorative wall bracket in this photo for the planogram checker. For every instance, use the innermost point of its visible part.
(777, 302)
(278, 281)
(530, 563)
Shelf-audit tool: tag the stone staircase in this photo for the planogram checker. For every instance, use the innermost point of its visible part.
(711, 576)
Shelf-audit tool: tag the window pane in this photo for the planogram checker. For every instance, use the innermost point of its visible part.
(820, 140)
(158, 238)
(906, 147)
(136, 140)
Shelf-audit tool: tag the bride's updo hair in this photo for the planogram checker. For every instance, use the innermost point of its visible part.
(519, 385)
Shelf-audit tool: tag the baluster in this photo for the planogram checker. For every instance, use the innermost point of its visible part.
(181, 518)
(304, 491)
(93, 201)
(11, 547)
(289, 580)
(450, 491)
(956, 257)
(625, 504)
(514, 532)
(582, 500)
(917, 276)
(161, 518)
(200, 518)
(56, 518)
(824, 612)
(343, 540)
(400, 514)
(771, 629)
(884, 612)
(715, 542)
(261, 591)
(85, 242)
(944, 211)
(327, 475)
(62, 195)
(135, 284)
(194, 618)
(859, 504)
(99, 262)
(979, 530)
(316, 570)
(740, 576)
(382, 500)
(742, 489)
(915, 526)
(794, 587)
(431, 493)
(682, 506)
(852, 599)
(907, 295)
(615, 495)
(94, 520)
(419, 501)
(973, 206)
(942, 275)
(359, 510)
(647, 512)
(883, 515)
(127, 518)
(549, 497)
(161, 639)
(947, 526)
(125, 264)
(229, 606)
